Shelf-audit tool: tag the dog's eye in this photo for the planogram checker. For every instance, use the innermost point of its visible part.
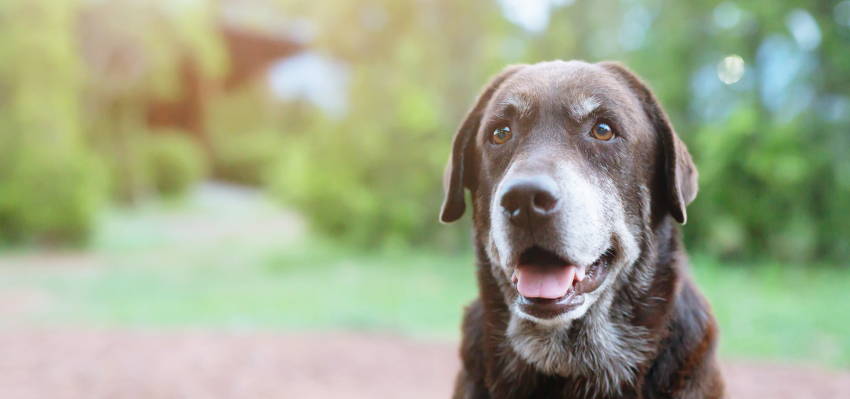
(602, 132)
(501, 135)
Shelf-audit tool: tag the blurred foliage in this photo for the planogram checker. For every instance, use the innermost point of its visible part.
(373, 176)
(771, 147)
(245, 142)
(246, 157)
(72, 83)
(50, 183)
(768, 130)
(135, 53)
(174, 163)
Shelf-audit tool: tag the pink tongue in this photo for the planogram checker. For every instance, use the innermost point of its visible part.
(545, 281)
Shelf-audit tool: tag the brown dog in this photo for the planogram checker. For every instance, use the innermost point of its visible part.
(577, 181)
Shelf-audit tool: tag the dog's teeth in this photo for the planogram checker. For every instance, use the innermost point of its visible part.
(581, 273)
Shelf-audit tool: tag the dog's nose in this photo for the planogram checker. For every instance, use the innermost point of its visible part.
(536, 196)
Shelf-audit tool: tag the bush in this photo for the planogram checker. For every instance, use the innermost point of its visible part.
(245, 158)
(50, 184)
(173, 163)
(767, 188)
(49, 199)
(373, 179)
(244, 146)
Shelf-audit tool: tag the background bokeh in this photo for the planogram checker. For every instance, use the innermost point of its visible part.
(276, 164)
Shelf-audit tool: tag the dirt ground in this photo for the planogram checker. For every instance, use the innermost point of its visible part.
(195, 364)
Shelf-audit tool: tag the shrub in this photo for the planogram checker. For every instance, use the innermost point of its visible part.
(373, 179)
(245, 158)
(244, 146)
(50, 185)
(770, 189)
(49, 199)
(173, 163)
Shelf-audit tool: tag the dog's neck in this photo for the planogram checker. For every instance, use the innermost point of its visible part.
(609, 347)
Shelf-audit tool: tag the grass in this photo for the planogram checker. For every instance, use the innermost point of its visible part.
(312, 289)
(770, 310)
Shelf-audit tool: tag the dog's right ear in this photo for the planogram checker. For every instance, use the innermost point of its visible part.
(458, 175)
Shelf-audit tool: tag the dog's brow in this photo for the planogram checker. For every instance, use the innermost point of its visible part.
(583, 107)
(519, 105)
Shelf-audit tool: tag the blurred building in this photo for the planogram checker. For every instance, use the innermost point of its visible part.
(249, 54)
(125, 62)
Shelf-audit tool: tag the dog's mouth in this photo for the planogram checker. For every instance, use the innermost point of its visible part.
(549, 285)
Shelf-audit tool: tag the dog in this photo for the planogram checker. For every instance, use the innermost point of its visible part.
(578, 183)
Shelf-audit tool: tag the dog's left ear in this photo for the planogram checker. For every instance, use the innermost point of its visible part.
(458, 173)
(680, 172)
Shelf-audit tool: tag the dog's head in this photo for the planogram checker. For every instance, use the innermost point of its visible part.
(569, 164)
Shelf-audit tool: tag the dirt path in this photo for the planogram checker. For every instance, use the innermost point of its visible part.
(152, 365)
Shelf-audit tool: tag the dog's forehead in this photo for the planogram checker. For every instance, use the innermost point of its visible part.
(578, 85)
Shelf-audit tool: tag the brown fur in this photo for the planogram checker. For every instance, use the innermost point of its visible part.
(654, 308)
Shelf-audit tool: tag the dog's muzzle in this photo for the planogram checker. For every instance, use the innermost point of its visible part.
(548, 279)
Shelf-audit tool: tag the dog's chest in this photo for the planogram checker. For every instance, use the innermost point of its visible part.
(555, 387)
(586, 359)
